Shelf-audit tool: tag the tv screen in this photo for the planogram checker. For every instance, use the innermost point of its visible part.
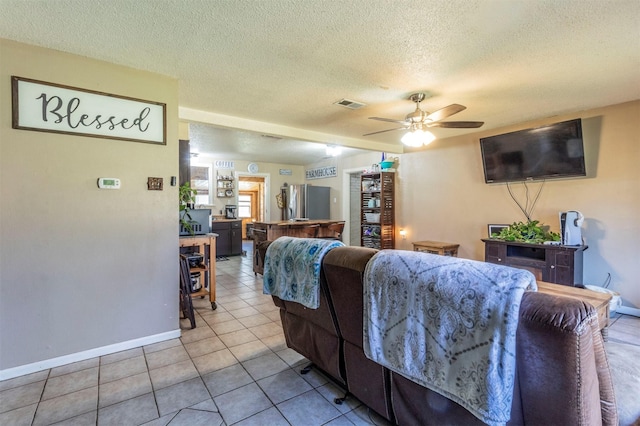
(554, 151)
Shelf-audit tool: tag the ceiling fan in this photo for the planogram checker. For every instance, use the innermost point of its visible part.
(418, 121)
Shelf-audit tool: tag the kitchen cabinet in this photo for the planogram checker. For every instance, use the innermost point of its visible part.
(229, 241)
(551, 263)
(377, 210)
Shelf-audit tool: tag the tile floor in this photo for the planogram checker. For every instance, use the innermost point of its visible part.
(233, 369)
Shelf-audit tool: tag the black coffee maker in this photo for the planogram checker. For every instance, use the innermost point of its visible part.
(231, 211)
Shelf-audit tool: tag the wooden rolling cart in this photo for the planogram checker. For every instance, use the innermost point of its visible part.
(205, 245)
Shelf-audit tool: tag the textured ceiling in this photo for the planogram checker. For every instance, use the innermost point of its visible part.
(276, 64)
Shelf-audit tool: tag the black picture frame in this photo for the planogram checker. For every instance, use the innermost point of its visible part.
(495, 228)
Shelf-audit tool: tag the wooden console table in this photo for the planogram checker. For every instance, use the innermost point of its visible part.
(204, 243)
(600, 301)
(551, 263)
(436, 247)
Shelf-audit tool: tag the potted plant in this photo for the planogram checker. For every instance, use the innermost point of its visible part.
(528, 232)
(186, 198)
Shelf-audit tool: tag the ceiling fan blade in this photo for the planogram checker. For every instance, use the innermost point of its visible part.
(445, 112)
(457, 124)
(383, 131)
(389, 120)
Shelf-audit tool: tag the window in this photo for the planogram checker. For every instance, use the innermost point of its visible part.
(244, 205)
(201, 181)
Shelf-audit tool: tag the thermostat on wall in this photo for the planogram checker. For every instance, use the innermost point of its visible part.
(108, 183)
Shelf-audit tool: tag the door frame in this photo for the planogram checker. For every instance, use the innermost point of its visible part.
(346, 208)
(267, 190)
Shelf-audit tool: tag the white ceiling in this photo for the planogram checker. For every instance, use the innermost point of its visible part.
(276, 67)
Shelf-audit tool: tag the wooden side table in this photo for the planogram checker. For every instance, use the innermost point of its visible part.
(600, 301)
(436, 247)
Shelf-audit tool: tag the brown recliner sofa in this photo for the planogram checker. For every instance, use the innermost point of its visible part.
(562, 378)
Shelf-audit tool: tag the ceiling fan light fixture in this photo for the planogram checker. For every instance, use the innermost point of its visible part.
(418, 138)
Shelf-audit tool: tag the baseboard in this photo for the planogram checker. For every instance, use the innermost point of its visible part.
(628, 311)
(10, 373)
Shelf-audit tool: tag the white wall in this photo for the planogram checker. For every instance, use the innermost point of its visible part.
(276, 180)
(83, 268)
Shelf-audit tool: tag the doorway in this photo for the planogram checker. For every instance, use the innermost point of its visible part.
(351, 206)
(252, 200)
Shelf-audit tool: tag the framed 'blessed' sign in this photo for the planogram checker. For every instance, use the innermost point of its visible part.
(48, 107)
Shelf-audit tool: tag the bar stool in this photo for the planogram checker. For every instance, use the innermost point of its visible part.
(310, 231)
(186, 304)
(337, 228)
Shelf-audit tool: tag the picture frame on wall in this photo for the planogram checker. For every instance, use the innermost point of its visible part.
(495, 229)
(50, 107)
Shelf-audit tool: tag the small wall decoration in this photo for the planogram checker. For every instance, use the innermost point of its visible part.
(154, 183)
(322, 172)
(285, 172)
(221, 164)
(49, 107)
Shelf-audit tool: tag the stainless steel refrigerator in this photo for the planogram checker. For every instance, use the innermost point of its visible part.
(308, 202)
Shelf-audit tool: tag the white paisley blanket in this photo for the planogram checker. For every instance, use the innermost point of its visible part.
(292, 269)
(447, 324)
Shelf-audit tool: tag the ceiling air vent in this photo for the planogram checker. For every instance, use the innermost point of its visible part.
(348, 103)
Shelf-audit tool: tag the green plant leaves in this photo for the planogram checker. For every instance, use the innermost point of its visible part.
(186, 198)
(528, 232)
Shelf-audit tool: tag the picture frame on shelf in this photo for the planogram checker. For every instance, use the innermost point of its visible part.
(495, 228)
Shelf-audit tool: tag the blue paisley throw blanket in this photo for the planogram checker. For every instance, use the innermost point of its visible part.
(292, 269)
(447, 324)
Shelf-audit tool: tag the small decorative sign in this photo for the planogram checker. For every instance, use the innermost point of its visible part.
(220, 164)
(285, 172)
(49, 107)
(322, 172)
(154, 183)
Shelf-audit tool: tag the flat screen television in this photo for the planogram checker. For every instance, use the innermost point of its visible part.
(548, 152)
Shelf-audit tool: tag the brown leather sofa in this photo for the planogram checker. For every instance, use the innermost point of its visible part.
(563, 377)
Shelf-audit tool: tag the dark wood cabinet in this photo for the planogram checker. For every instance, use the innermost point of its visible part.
(229, 240)
(236, 237)
(184, 162)
(552, 263)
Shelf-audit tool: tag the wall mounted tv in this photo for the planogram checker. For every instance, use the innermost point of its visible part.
(548, 152)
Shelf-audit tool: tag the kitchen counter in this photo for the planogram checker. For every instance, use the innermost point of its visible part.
(297, 222)
(263, 231)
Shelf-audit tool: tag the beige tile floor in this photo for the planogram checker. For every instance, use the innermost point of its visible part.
(233, 369)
